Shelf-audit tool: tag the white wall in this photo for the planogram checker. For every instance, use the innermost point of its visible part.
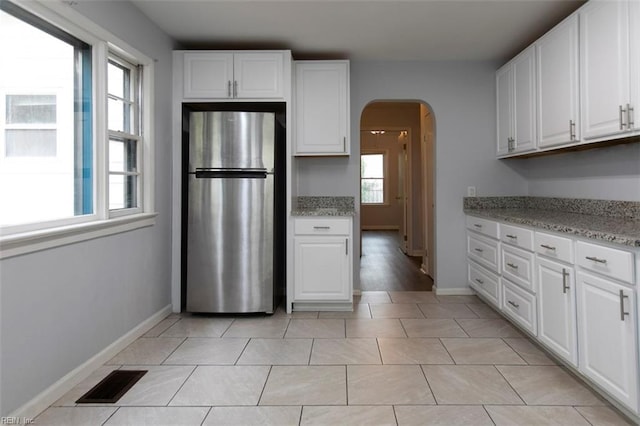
(611, 173)
(462, 96)
(60, 307)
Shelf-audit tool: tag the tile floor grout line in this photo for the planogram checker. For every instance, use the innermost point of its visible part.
(510, 385)
(484, 407)
(244, 348)
(264, 386)
(228, 327)
(195, 367)
(424, 374)
(111, 415)
(184, 339)
(447, 350)
(206, 415)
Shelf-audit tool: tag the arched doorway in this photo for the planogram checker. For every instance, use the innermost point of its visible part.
(397, 196)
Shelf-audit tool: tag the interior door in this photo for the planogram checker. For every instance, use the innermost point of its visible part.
(402, 197)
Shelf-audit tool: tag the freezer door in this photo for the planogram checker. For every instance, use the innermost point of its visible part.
(231, 140)
(230, 244)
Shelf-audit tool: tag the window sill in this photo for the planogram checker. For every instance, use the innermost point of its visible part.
(29, 242)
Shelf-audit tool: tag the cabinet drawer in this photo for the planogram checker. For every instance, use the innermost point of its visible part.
(607, 261)
(484, 251)
(517, 265)
(483, 226)
(553, 246)
(322, 226)
(517, 236)
(485, 282)
(520, 306)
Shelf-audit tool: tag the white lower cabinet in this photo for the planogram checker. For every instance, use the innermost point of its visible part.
(322, 260)
(608, 336)
(520, 306)
(557, 309)
(484, 282)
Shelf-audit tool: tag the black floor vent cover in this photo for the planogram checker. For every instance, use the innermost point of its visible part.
(111, 388)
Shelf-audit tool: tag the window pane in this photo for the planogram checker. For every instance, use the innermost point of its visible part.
(45, 172)
(122, 156)
(28, 109)
(372, 191)
(117, 115)
(30, 143)
(123, 191)
(372, 166)
(116, 83)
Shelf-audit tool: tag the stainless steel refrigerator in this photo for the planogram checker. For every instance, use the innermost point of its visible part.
(231, 246)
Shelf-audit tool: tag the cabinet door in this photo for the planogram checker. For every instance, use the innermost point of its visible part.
(604, 67)
(322, 108)
(258, 75)
(557, 89)
(208, 75)
(322, 268)
(557, 309)
(608, 345)
(524, 101)
(504, 82)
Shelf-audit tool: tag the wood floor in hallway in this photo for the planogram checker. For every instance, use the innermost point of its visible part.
(383, 267)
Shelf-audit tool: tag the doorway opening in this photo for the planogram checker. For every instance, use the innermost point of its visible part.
(397, 196)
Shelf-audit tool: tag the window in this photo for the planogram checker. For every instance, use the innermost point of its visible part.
(124, 124)
(74, 140)
(46, 165)
(372, 176)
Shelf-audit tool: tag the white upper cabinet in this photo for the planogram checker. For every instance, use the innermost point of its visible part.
(558, 87)
(608, 106)
(322, 108)
(233, 75)
(516, 112)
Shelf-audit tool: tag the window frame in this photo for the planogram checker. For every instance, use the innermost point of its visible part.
(26, 238)
(385, 176)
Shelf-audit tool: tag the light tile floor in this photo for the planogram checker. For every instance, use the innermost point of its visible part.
(401, 358)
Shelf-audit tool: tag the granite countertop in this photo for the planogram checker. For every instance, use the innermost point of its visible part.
(610, 222)
(323, 206)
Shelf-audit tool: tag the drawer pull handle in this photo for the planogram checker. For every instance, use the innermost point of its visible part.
(515, 237)
(515, 305)
(511, 265)
(477, 225)
(548, 247)
(622, 312)
(479, 250)
(321, 227)
(479, 281)
(595, 259)
(565, 275)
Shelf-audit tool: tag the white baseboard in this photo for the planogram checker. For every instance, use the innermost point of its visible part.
(459, 291)
(54, 392)
(380, 228)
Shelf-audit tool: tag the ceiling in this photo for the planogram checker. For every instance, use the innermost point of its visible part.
(439, 30)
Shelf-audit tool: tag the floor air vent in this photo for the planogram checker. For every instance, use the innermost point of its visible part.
(111, 388)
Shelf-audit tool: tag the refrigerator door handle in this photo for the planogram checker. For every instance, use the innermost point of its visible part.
(231, 174)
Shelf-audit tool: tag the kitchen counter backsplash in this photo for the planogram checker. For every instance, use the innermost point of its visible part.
(612, 221)
(323, 206)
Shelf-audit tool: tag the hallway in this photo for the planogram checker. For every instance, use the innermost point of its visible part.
(383, 267)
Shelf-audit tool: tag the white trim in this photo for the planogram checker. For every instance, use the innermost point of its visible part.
(459, 291)
(54, 392)
(29, 242)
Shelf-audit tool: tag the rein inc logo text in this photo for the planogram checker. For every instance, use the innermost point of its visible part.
(16, 421)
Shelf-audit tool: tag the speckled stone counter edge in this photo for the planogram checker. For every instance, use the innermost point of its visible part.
(322, 206)
(616, 222)
(608, 208)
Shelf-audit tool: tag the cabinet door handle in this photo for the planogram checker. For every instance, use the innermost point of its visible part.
(622, 312)
(548, 247)
(229, 89)
(346, 246)
(595, 259)
(565, 286)
(511, 265)
(515, 237)
(477, 225)
(479, 250)
(235, 88)
(630, 120)
(572, 130)
(479, 281)
(515, 305)
(321, 227)
(344, 144)
(622, 111)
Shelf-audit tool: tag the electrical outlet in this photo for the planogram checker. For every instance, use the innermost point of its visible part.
(471, 191)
